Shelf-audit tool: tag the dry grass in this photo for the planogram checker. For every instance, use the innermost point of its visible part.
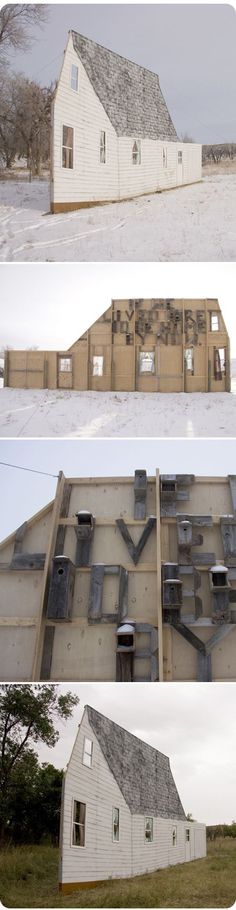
(28, 878)
(223, 167)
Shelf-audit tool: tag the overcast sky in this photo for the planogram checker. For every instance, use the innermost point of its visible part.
(22, 493)
(193, 724)
(52, 305)
(190, 46)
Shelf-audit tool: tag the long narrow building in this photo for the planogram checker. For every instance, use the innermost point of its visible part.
(150, 345)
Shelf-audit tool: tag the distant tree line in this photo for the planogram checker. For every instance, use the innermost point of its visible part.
(214, 831)
(25, 105)
(217, 152)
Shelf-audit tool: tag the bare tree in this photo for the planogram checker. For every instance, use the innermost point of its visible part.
(25, 121)
(16, 21)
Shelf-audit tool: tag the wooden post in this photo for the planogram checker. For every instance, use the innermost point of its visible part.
(45, 580)
(159, 598)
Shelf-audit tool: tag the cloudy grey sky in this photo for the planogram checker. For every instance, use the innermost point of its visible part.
(22, 494)
(52, 305)
(190, 46)
(193, 724)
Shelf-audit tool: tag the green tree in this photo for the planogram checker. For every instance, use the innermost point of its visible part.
(28, 714)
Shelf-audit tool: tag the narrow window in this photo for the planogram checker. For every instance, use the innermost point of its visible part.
(115, 824)
(136, 152)
(102, 147)
(129, 339)
(174, 836)
(214, 322)
(189, 360)
(147, 362)
(164, 157)
(180, 157)
(148, 830)
(65, 364)
(78, 828)
(67, 146)
(219, 363)
(88, 752)
(98, 366)
(74, 77)
(187, 835)
(118, 315)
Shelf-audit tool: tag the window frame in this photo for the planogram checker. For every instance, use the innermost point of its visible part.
(103, 147)
(74, 87)
(86, 753)
(187, 835)
(189, 369)
(214, 315)
(180, 160)
(148, 818)
(78, 824)
(68, 147)
(64, 359)
(164, 157)
(98, 375)
(143, 372)
(174, 836)
(115, 840)
(136, 156)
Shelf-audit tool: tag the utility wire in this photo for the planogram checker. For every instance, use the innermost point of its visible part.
(31, 470)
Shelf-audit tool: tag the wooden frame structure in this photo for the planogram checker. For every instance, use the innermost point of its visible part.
(113, 581)
(152, 345)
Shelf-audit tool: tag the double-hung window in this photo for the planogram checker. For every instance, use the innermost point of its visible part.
(67, 146)
(78, 825)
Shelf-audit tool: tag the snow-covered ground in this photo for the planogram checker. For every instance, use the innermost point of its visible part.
(194, 223)
(91, 414)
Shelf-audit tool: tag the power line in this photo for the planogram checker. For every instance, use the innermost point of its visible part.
(31, 470)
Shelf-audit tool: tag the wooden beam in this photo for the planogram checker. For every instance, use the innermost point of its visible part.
(159, 583)
(45, 580)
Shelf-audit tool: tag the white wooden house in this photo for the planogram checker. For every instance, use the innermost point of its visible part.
(112, 134)
(121, 811)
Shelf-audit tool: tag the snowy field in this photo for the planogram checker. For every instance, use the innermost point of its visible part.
(97, 414)
(194, 223)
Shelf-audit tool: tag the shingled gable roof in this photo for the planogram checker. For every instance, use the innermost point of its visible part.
(130, 94)
(142, 773)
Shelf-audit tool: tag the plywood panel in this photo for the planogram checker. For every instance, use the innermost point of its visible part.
(114, 500)
(79, 650)
(171, 368)
(123, 368)
(17, 647)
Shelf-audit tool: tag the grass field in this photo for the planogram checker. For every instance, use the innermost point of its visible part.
(28, 878)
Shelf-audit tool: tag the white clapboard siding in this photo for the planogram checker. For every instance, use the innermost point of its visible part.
(100, 858)
(160, 853)
(88, 180)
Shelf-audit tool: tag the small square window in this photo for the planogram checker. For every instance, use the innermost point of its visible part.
(88, 752)
(174, 836)
(102, 147)
(74, 77)
(115, 824)
(164, 157)
(136, 152)
(67, 146)
(180, 157)
(148, 830)
(98, 366)
(147, 362)
(187, 835)
(78, 826)
(65, 364)
(214, 322)
(189, 360)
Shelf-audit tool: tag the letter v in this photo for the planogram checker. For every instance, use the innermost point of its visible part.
(135, 550)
